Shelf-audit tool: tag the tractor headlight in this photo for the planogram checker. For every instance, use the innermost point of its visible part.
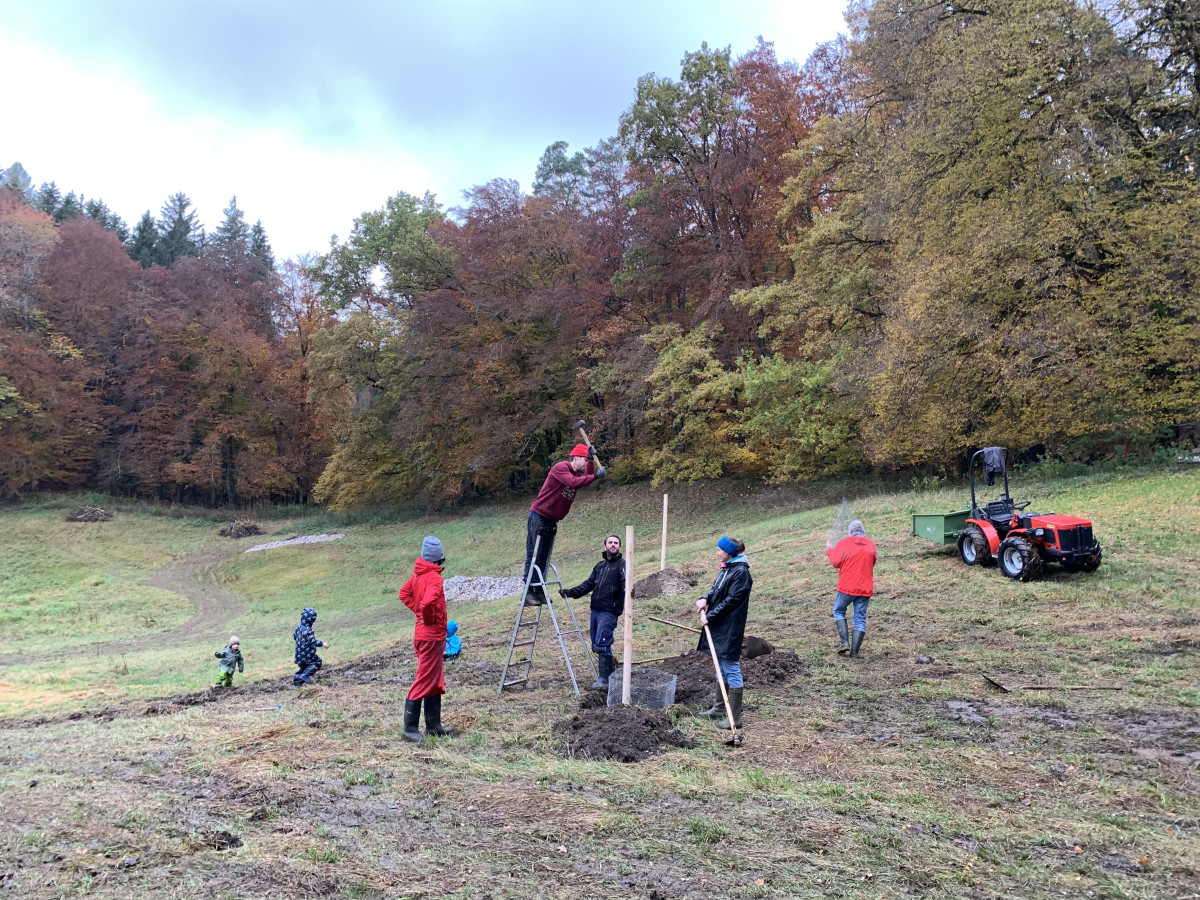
(1040, 532)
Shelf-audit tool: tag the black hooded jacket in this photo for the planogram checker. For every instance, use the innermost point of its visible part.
(606, 584)
(728, 604)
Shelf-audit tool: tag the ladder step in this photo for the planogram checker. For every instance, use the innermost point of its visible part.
(561, 633)
(522, 644)
(517, 681)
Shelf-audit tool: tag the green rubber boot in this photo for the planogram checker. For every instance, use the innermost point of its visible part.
(858, 639)
(735, 705)
(844, 635)
(718, 708)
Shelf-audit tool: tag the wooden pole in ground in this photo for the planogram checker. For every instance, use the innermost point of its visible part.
(627, 670)
(663, 562)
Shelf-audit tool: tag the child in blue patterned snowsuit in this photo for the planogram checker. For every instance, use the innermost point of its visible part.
(307, 660)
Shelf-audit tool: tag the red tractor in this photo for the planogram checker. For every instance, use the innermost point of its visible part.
(1020, 542)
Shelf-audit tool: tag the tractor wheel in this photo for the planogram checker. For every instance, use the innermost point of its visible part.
(1071, 566)
(973, 547)
(1019, 558)
(1091, 564)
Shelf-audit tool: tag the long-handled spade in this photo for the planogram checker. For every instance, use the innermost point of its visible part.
(736, 740)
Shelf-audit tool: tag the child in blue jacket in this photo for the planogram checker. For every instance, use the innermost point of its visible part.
(453, 643)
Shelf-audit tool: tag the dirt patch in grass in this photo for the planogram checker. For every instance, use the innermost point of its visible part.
(382, 665)
(624, 733)
(482, 672)
(90, 514)
(240, 529)
(762, 665)
(666, 583)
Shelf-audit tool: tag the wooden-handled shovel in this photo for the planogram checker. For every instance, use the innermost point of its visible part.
(736, 740)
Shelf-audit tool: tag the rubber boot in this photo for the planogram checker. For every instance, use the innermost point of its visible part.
(858, 639)
(433, 716)
(304, 676)
(844, 635)
(535, 597)
(606, 670)
(735, 705)
(718, 708)
(412, 721)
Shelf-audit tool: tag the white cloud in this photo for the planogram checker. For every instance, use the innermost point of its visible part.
(94, 131)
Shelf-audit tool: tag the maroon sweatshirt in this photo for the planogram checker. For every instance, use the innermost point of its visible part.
(558, 492)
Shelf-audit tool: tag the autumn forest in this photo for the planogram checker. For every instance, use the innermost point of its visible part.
(956, 225)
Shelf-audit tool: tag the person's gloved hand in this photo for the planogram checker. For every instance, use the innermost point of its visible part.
(591, 451)
(601, 471)
(562, 593)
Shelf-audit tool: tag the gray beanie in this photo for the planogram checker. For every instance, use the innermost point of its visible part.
(857, 530)
(431, 550)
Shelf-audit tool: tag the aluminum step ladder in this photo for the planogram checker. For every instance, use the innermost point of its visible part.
(525, 629)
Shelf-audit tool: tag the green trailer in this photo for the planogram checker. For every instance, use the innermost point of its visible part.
(942, 528)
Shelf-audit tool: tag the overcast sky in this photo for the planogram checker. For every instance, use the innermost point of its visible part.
(314, 113)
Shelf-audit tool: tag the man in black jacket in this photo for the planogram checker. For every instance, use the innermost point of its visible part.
(606, 584)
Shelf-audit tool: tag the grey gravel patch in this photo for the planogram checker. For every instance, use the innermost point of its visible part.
(306, 539)
(476, 589)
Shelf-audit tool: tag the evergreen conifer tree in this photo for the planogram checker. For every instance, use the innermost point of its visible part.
(180, 232)
(15, 178)
(260, 247)
(233, 231)
(142, 246)
(70, 207)
(48, 198)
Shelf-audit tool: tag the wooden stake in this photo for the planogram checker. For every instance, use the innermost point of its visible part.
(627, 671)
(663, 562)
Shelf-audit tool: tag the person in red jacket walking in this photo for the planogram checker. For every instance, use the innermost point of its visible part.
(551, 506)
(854, 557)
(426, 597)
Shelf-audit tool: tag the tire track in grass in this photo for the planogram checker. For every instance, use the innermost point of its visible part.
(193, 576)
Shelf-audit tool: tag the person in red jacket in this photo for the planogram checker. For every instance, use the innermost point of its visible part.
(426, 597)
(551, 506)
(854, 558)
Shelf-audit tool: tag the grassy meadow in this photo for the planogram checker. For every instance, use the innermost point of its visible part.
(873, 778)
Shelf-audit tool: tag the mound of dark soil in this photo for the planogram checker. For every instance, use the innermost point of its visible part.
(593, 699)
(240, 529)
(774, 668)
(625, 733)
(666, 583)
(90, 514)
(754, 647)
(762, 665)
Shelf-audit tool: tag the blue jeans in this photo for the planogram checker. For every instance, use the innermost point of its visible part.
(546, 528)
(602, 626)
(842, 601)
(731, 671)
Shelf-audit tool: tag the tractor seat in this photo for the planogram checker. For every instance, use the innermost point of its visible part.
(1000, 512)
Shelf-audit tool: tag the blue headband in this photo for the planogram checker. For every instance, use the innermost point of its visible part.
(728, 546)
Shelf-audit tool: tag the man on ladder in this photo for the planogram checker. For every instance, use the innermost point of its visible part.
(551, 506)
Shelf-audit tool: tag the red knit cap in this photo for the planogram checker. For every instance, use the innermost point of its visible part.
(580, 450)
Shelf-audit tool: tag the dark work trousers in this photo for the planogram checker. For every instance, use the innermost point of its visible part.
(602, 626)
(546, 528)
